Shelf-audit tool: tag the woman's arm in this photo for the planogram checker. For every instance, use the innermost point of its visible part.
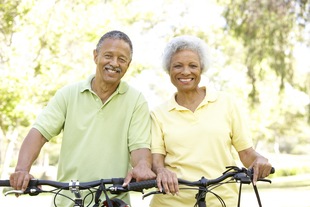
(165, 178)
(252, 159)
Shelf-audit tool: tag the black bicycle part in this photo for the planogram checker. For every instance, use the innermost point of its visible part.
(242, 175)
(115, 202)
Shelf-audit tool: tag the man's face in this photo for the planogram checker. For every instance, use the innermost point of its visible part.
(112, 60)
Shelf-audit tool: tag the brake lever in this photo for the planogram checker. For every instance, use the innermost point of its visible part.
(229, 168)
(33, 191)
(117, 189)
(264, 180)
(19, 192)
(250, 173)
(153, 193)
(243, 178)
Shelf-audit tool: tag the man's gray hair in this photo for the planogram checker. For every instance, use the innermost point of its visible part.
(115, 34)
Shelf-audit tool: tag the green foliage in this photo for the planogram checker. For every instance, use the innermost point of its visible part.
(268, 30)
(291, 171)
(10, 10)
(12, 13)
(11, 96)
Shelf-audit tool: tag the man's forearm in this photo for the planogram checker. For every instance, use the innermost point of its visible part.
(30, 150)
(142, 157)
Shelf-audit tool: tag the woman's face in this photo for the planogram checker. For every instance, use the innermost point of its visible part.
(185, 70)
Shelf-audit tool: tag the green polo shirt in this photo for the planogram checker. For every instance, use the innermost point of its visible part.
(97, 138)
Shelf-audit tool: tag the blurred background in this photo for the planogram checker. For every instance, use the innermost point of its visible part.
(260, 52)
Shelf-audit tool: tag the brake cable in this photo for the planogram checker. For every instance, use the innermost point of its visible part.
(250, 173)
(101, 189)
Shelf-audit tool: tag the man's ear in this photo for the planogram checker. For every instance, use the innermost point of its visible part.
(95, 55)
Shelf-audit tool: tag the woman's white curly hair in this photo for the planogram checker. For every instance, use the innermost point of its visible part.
(186, 42)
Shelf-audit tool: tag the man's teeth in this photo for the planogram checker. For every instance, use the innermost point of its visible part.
(113, 70)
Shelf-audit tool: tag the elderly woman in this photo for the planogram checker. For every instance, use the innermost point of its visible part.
(194, 132)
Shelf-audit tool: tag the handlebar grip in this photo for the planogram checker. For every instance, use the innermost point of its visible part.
(272, 171)
(138, 186)
(5, 183)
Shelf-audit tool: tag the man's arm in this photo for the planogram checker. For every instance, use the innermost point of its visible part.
(28, 153)
(141, 161)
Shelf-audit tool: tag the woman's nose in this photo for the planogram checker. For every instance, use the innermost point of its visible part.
(186, 70)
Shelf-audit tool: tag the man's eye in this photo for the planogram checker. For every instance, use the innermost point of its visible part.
(122, 60)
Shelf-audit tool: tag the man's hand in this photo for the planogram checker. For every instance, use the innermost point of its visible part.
(139, 173)
(19, 180)
(142, 163)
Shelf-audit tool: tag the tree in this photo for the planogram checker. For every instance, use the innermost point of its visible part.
(32, 56)
(11, 91)
(44, 45)
(270, 31)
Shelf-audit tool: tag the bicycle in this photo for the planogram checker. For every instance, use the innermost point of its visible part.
(97, 187)
(233, 174)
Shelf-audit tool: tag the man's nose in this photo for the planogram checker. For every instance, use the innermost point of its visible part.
(114, 62)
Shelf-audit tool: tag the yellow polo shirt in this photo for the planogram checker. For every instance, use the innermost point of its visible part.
(199, 144)
(97, 138)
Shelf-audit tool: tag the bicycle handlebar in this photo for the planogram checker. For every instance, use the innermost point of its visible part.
(67, 185)
(34, 183)
(239, 174)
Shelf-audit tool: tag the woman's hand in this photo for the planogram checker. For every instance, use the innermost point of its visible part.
(167, 180)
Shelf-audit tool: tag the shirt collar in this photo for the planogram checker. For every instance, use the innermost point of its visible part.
(211, 96)
(86, 86)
